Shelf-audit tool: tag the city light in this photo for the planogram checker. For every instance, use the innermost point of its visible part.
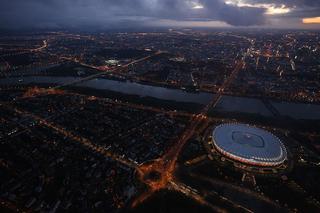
(184, 118)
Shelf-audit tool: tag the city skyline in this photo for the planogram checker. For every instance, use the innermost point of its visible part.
(180, 120)
(160, 106)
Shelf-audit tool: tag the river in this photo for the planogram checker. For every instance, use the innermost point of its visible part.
(226, 104)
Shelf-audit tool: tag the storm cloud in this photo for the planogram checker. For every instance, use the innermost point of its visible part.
(298, 8)
(300, 3)
(110, 13)
(132, 13)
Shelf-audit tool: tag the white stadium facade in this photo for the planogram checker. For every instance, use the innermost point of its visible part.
(249, 145)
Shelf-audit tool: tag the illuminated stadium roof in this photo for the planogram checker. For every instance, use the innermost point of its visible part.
(249, 145)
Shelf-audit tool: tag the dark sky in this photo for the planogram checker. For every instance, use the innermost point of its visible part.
(17, 14)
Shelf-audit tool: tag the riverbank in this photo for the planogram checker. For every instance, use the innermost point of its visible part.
(175, 98)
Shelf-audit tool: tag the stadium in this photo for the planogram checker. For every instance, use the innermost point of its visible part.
(249, 145)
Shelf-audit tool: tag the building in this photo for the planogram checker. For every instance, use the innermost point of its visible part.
(249, 145)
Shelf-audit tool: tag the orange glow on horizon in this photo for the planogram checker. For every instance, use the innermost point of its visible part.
(314, 20)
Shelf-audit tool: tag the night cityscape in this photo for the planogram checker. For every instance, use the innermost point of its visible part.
(160, 106)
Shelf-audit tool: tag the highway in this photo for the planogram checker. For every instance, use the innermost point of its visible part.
(240, 189)
(166, 165)
(115, 70)
(43, 92)
(81, 140)
(44, 46)
(190, 192)
(225, 85)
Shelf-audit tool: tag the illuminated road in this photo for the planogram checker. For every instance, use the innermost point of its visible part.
(225, 85)
(165, 166)
(242, 190)
(81, 140)
(115, 70)
(44, 92)
(103, 72)
(190, 192)
(44, 46)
